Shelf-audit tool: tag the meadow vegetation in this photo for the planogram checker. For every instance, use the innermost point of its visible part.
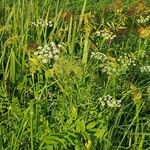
(75, 75)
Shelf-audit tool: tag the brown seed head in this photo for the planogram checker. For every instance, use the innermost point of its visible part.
(32, 47)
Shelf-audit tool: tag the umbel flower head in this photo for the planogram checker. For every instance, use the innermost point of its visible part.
(143, 20)
(98, 56)
(106, 34)
(109, 101)
(145, 69)
(48, 53)
(43, 23)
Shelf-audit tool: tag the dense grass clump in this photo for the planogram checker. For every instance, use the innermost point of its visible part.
(75, 75)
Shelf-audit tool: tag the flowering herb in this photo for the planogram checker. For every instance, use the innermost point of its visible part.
(98, 56)
(48, 54)
(106, 34)
(145, 69)
(43, 23)
(143, 20)
(109, 101)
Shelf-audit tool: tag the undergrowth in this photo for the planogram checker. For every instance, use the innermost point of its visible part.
(74, 75)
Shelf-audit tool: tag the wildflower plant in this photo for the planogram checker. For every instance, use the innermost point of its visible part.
(114, 65)
(145, 69)
(109, 101)
(53, 97)
(98, 56)
(48, 54)
(42, 23)
(143, 19)
(126, 60)
(106, 34)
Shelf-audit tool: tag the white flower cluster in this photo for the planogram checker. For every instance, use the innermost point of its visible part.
(107, 65)
(109, 101)
(106, 34)
(143, 20)
(117, 66)
(109, 68)
(126, 60)
(48, 53)
(43, 23)
(145, 69)
(98, 56)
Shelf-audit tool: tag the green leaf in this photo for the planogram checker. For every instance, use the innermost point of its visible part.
(69, 140)
(51, 139)
(74, 112)
(92, 124)
(50, 142)
(72, 134)
(80, 126)
(100, 133)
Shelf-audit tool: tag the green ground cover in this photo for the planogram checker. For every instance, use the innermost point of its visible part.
(74, 75)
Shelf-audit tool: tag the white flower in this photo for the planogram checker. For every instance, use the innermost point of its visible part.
(143, 19)
(98, 33)
(109, 101)
(107, 35)
(44, 61)
(46, 51)
(119, 103)
(46, 47)
(50, 23)
(40, 56)
(56, 57)
(56, 51)
(112, 37)
(145, 69)
(92, 54)
(45, 55)
(52, 44)
(42, 23)
(103, 103)
(36, 53)
(60, 45)
(39, 48)
(41, 52)
(98, 56)
(34, 24)
(55, 47)
(50, 55)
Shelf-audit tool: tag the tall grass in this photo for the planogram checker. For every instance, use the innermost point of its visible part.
(94, 91)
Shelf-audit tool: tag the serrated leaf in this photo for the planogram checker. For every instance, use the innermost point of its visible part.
(80, 126)
(91, 125)
(88, 145)
(100, 133)
(50, 72)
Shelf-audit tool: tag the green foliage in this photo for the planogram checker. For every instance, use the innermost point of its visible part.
(93, 95)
